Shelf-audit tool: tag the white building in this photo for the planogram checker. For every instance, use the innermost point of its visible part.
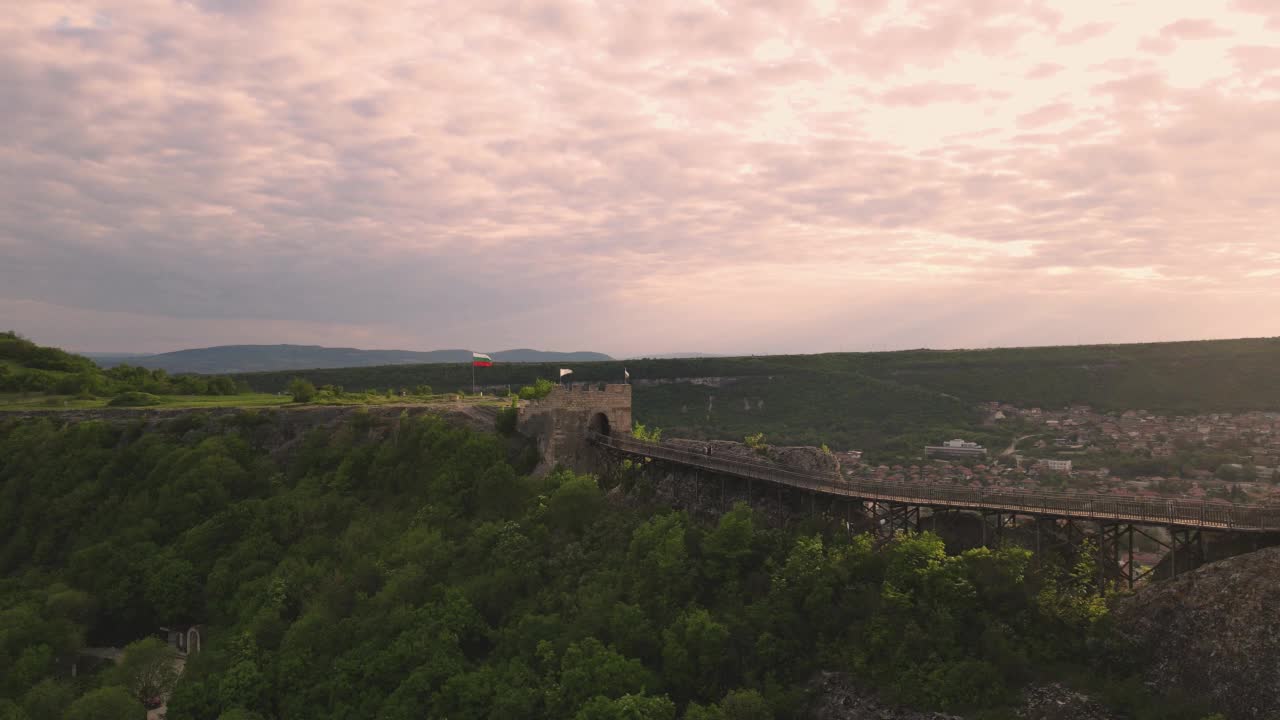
(1056, 465)
(956, 448)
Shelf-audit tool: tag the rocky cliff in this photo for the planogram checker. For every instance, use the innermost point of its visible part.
(1215, 632)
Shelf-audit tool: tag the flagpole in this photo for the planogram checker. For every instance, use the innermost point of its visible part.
(473, 376)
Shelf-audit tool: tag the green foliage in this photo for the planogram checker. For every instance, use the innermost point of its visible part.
(888, 404)
(400, 568)
(746, 705)
(134, 399)
(755, 441)
(301, 390)
(23, 352)
(29, 368)
(627, 707)
(640, 432)
(48, 699)
(538, 390)
(108, 703)
(147, 669)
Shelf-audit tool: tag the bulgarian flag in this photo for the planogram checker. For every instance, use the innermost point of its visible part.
(481, 360)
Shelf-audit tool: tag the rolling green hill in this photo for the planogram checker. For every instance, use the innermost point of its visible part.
(884, 402)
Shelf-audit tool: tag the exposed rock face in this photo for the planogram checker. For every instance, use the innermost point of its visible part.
(1057, 702)
(838, 697)
(1215, 632)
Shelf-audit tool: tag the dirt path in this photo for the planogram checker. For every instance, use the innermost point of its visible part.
(179, 663)
(1013, 445)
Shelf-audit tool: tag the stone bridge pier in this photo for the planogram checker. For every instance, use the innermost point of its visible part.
(560, 422)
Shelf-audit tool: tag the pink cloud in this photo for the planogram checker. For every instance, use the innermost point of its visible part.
(1193, 29)
(1159, 45)
(1266, 8)
(448, 176)
(1044, 70)
(1186, 29)
(1256, 60)
(1045, 115)
(1085, 32)
(930, 93)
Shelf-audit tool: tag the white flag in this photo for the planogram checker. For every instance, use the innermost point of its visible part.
(564, 372)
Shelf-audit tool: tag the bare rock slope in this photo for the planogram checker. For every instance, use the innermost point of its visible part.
(838, 697)
(1215, 632)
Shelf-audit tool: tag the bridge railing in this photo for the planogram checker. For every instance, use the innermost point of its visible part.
(1212, 515)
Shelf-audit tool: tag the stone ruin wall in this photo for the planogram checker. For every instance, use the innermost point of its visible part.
(560, 421)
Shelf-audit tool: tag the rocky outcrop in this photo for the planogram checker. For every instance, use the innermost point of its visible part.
(1214, 632)
(837, 697)
(1055, 701)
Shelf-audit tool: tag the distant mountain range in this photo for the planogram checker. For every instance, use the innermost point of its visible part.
(225, 359)
(675, 356)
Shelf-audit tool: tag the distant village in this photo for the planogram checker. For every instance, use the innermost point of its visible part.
(1219, 457)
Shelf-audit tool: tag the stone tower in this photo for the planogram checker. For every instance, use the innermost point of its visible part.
(562, 419)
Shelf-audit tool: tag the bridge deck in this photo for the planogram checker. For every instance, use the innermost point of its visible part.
(1079, 506)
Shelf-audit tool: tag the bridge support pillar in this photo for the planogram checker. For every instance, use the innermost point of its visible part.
(1002, 520)
(892, 518)
(1186, 550)
(1115, 553)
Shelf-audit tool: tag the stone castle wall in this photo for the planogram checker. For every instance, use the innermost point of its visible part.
(560, 422)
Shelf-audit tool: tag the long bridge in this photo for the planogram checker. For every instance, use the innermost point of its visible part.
(574, 428)
(896, 505)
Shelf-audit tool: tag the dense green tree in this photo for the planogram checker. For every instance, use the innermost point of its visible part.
(627, 707)
(401, 568)
(147, 669)
(302, 390)
(574, 503)
(588, 669)
(48, 699)
(695, 661)
(108, 703)
(746, 705)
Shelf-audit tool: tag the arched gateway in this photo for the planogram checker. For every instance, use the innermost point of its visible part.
(599, 424)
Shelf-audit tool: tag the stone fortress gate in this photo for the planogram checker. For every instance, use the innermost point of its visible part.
(563, 420)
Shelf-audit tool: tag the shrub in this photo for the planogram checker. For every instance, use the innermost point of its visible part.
(302, 390)
(134, 398)
(538, 390)
(640, 432)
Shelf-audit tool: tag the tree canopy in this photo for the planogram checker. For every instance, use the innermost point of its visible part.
(402, 568)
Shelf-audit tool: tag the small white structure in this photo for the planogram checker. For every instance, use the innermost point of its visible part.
(1056, 465)
(956, 448)
(185, 639)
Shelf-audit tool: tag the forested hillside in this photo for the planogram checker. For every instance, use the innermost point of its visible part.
(27, 368)
(405, 569)
(1226, 375)
(887, 403)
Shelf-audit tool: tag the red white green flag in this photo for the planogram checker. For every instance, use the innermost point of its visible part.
(481, 360)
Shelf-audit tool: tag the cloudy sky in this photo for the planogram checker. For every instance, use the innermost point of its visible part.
(630, 177)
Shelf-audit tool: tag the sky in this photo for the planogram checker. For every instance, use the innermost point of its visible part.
(760, 176)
